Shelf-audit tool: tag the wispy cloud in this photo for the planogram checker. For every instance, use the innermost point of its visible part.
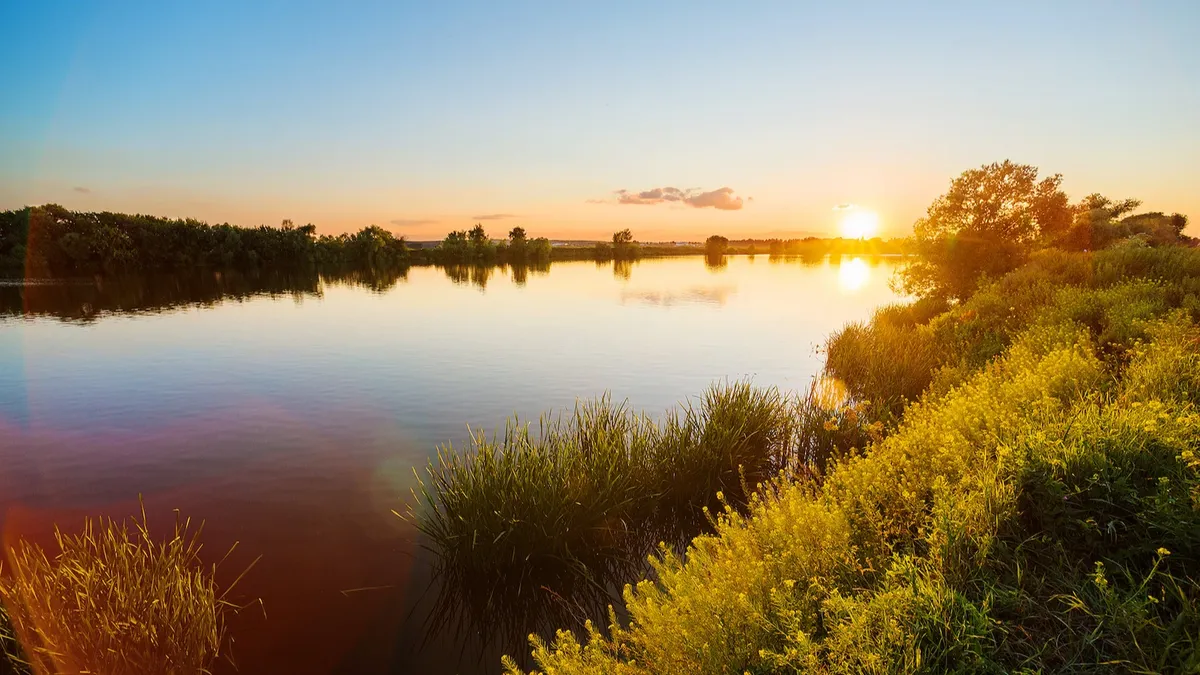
(494, 216)
(82, 190)
(414, 222)
(721, 199)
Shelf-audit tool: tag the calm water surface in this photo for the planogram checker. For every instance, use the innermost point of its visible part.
(289, 414)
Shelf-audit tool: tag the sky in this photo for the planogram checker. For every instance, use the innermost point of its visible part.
(677, 120)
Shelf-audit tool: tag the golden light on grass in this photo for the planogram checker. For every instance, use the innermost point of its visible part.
(115, 601)
(853, 274)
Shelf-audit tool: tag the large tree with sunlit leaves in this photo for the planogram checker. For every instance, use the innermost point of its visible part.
(986, 225)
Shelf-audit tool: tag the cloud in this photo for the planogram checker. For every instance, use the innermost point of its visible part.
(722, 199)
(406, 222)
(845, 207)
(82, 190)
(494, 216)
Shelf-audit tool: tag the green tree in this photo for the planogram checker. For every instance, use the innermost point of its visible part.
(986, 224)
(623, 245)
(482, 247)
(716, 245)
(517, 243)
(454, 246)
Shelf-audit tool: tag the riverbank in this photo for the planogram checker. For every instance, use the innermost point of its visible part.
(1034, 508)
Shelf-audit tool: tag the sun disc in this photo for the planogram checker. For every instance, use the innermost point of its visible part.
(860, 224)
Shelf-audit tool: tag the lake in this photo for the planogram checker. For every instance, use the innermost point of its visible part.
(288, 412)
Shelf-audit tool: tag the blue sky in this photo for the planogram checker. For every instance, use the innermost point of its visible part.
(422, 117)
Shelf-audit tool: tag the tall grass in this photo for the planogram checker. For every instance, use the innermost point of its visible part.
(549, 521)
(116, 601)
(885, 362)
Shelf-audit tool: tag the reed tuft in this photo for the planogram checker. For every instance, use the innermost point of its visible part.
(116, 601)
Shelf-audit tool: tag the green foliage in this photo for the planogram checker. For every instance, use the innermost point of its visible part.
(1101, 222)
(623, 246)
(885, 362)
(716, 245)
(596, 490)
(907, 348)
(50, 241)
(994, 218)
(371, 247)
(1038, 513)
(986, 224)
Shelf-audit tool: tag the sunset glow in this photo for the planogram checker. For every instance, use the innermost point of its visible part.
(860, 224)
(412, 118)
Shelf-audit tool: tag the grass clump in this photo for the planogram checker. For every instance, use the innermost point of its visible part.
(541, 498)
(115, 601)
(549, 522)
(578, 487)
(888, 361)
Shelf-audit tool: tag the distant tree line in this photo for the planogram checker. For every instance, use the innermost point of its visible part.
(51, 241)
(475, 246)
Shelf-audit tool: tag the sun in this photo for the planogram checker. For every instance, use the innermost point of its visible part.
(860, 224)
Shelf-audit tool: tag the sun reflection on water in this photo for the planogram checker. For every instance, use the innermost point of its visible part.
(853, 275)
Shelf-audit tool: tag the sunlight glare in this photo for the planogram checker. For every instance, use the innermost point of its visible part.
(853, 275)
(860, 224)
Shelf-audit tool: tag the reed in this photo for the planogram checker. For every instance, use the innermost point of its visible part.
(585, 497)
(888, 361)
(540, 499)
(115, 601)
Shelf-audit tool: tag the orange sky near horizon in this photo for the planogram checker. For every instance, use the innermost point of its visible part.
(429, 118)
(777, 213)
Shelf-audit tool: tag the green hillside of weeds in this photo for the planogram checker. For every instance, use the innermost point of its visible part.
(1034, 508)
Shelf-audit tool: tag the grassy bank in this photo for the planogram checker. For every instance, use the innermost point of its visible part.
(1035, 509)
